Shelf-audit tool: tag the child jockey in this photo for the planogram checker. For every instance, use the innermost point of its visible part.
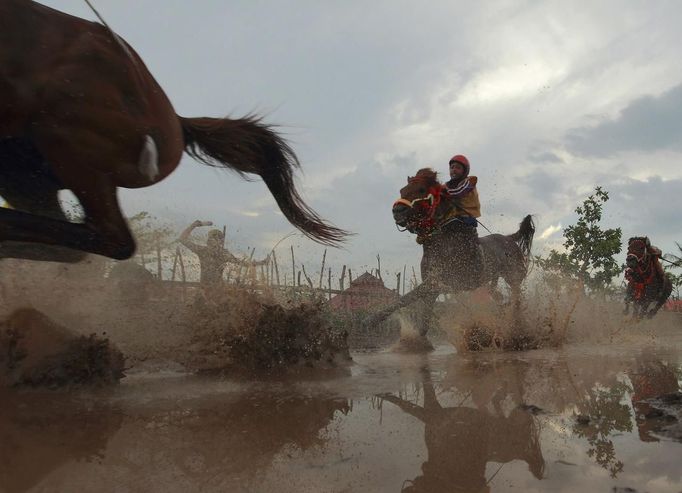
(461, 189)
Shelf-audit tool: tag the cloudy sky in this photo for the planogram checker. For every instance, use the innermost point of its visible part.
(547, 99)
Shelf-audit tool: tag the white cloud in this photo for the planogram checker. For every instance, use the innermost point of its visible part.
(550, 230)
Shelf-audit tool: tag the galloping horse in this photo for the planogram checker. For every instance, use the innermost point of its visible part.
(647, 283)
(449, 260)
(80, 111)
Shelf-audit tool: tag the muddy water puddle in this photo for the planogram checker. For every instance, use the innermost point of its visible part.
(585, 418)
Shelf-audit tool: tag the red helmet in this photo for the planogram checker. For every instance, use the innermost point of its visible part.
(458, 158)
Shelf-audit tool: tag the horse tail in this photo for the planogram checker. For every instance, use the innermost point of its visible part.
(247, 145)
(524, 236)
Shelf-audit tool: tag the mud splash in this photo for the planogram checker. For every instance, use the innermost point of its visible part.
(548, 318)
(242, 330)
(34, 351)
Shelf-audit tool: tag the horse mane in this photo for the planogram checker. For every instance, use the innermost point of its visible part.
(424, 175)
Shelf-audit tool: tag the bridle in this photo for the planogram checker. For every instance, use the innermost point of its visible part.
(426, 208)
(643, 264)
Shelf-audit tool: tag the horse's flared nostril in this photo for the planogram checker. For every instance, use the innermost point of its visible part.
(400, 214)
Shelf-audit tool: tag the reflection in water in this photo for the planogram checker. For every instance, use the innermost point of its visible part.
(651, 379)
(607, 414)
(34, 442)
(593, 389)
(462, 440)
(475, 424)
(217, 442)
(223, 445)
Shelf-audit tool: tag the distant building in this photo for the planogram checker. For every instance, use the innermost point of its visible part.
(670, 305)
(365, 292)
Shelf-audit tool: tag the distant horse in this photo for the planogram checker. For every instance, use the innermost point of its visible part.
(647, 283)
(449, 262)
(80, 111)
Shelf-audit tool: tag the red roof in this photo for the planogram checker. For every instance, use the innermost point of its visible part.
(366, 291)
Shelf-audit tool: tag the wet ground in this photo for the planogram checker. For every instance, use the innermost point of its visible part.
(587, 417)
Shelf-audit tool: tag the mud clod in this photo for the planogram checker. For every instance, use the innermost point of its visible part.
(34, 351)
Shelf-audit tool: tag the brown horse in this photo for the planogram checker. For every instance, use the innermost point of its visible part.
(454, 259)
(647, 283)
(80, 111)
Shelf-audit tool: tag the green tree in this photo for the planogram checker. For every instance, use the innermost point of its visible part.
(590, 250)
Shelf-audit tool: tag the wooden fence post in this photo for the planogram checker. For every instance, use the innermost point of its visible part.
(159, 274)
(324, 257)
(274, 259)
(343, 275)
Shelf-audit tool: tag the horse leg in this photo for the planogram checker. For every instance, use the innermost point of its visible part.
(427, 314)
(421, 292)
(654, 310)
(104, 231)
(516, 297)
(657, 307)
(517, 320)
(495, 294)
(40, 199)
(638, 310)
(629, 298)
(666, 291)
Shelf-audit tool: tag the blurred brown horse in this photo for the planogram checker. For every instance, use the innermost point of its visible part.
(647, 282)
(449, 262)
(80, 111)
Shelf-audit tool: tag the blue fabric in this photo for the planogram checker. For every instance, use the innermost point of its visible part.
(469, 221)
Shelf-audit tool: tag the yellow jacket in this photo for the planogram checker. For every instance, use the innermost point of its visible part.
(466, 202)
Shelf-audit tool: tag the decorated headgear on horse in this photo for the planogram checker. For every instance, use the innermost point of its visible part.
(638, 250)
(638, 243)
(424, 206)
(458, 158)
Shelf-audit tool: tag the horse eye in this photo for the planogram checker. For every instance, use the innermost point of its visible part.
(422, 190)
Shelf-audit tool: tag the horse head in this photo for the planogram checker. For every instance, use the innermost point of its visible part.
(418, 202)
(638, 252)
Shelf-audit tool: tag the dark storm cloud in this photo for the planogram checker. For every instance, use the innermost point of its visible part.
(541, 185)
(650, 208)
(646, 124)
